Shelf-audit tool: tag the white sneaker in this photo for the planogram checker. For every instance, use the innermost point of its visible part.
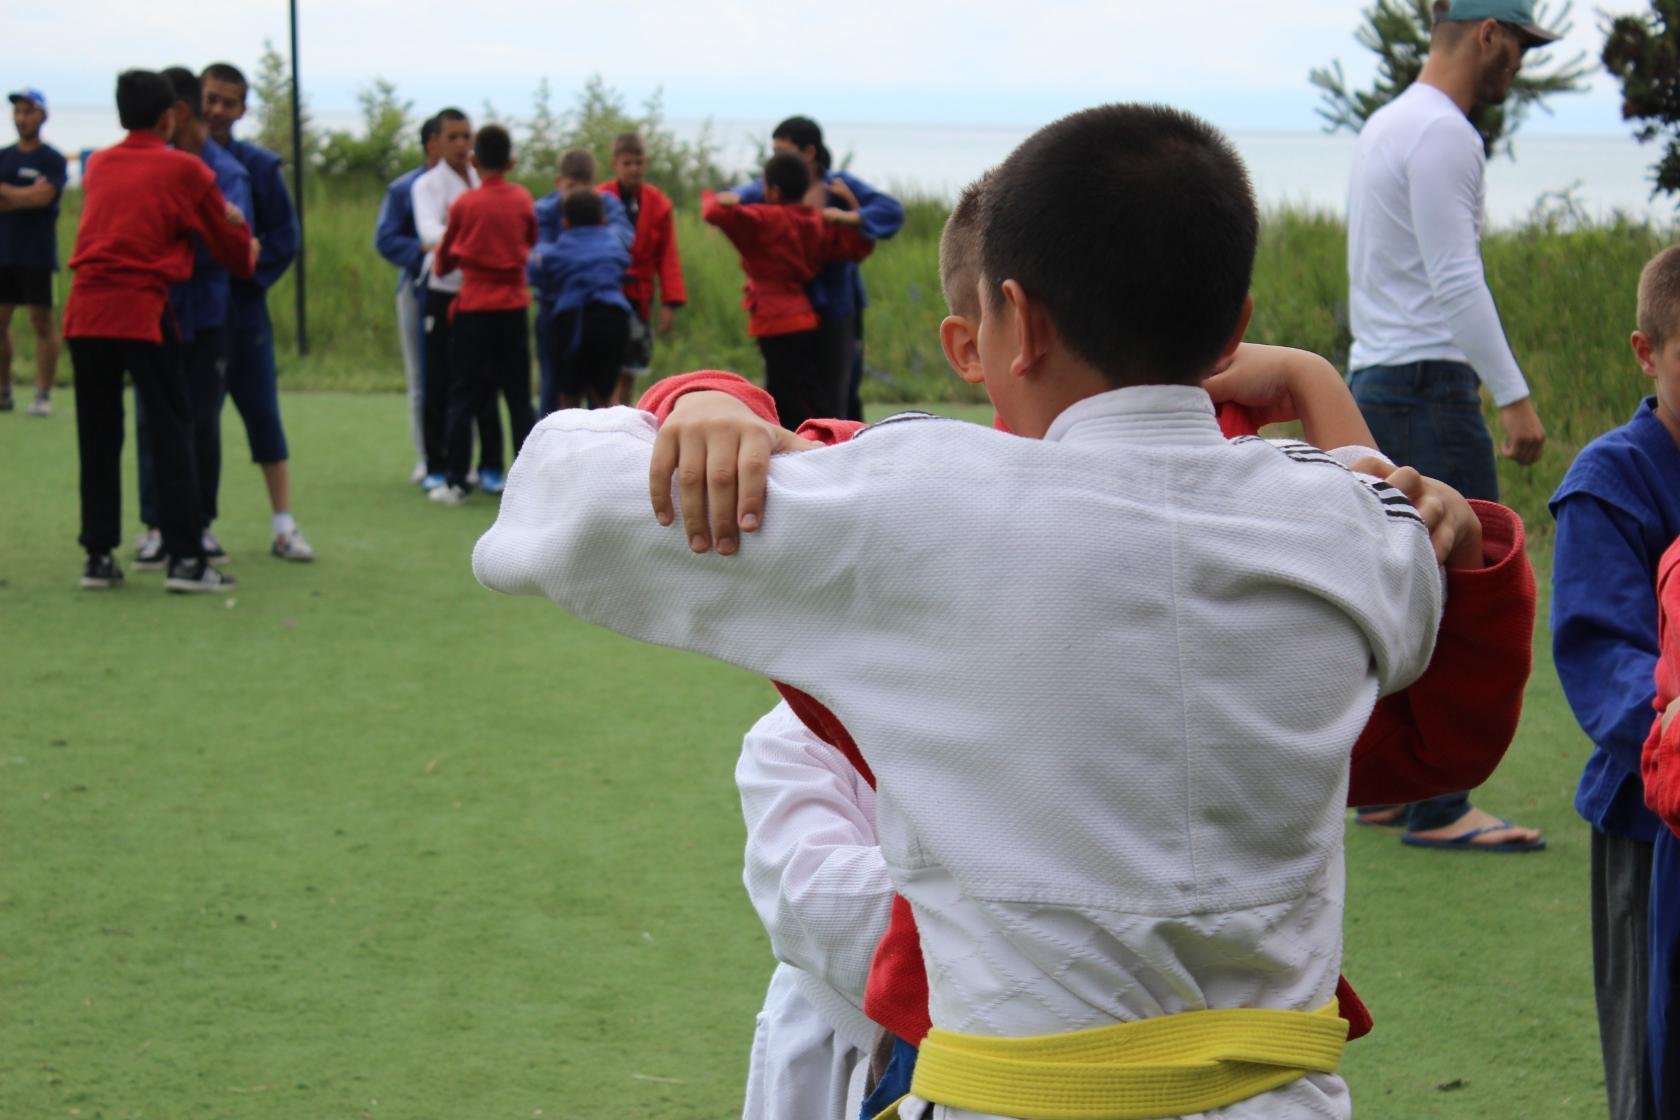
(418, 474)
(40, 406)
(448, 495)
(148, 552)
(292, 546)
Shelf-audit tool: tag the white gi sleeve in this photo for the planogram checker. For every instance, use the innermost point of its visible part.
(814, 870)
(575, 526)
(1444, 176)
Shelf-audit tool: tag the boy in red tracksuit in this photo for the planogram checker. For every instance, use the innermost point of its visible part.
(653, 256)
(489, 236)
(783, 243)
(142, 204)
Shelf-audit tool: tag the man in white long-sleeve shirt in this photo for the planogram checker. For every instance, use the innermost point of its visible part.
(1108, 677)
(1426, 333)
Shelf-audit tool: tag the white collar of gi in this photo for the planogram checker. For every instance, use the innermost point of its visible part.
(1172, 412)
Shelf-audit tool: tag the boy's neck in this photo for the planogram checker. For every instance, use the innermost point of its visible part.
(29, 145)
(1670, 420)
(487, 177)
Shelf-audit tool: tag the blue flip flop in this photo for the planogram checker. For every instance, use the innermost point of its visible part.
(1466, 842)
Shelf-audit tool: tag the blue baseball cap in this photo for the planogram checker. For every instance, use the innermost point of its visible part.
(1517, 13)
(29, 93)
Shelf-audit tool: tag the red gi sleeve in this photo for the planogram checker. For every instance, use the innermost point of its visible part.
(672, 293)
(1659, 762)
(662, 395)
(1450, 729)
(230, 244)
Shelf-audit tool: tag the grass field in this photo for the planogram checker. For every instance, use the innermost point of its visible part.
(366, 840)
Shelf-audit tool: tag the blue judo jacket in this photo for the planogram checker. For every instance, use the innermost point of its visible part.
(202, 301)
(584, 265)
(274, 222)
(395, 235)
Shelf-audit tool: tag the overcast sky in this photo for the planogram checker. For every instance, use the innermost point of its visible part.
(904, 61)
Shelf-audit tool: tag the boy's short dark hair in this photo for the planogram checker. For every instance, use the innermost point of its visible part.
(1659, 296)
(429, 128)
(493, 148)
(789, 175)
(582, 207)
(186, 87)
(142, 97)
(628, 144)
(578, 164)
(447, 115)
(1144, 263)
(227, 72)
(959, 251)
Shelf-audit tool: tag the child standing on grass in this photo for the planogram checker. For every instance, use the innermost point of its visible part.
(489, 235)
(655, 264)
(576, 169)
(1035, 641)
(589, 317)
(142, 203)
(784, 242)
(1617, 510)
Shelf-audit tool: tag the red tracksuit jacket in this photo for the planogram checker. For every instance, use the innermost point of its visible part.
(140, 201)
(782, 248)
(654, 252)
(1660, 762)
(489, 235)
(1447, 732)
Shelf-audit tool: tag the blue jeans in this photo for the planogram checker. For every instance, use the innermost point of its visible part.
(1428, 415)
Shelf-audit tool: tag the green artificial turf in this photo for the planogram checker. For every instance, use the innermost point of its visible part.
(363, 839)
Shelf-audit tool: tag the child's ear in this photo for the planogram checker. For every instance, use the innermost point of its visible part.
(959, 338)
(1644, 353)
(1033, 330)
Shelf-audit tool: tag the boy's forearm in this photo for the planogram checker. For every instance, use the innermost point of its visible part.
(1329, 415)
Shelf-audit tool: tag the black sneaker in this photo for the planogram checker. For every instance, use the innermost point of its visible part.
(101, 573)
(196, 575)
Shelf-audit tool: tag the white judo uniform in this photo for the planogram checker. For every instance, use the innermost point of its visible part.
(816, 877)
(1108, 682)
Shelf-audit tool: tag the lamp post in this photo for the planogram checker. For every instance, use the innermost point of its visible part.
(297, 189)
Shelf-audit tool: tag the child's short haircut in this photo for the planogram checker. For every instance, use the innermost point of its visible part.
(628, 144)
(142, 97)
(578, 165)
(1144, 261)
(447, 115)
(185, 84)
(1659, 296)
(959, 251)
(582, 207)
(789, 175)
(493, 148)
(226, 72)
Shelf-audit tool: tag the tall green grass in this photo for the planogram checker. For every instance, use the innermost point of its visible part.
(1566, 297)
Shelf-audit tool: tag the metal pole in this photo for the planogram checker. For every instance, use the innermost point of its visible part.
(297, 189)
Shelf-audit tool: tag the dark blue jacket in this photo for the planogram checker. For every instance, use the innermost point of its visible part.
(274, 223)
(838, 288)
(202, 301)
(613, 216)
(394, 234)
(1617, 510)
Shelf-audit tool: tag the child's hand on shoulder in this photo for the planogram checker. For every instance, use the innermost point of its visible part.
(727, 198)
(1263, 379)
(840, 189)
(1454, 529)
(719, 451)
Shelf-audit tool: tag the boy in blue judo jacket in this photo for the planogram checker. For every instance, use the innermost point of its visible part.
(581, 272)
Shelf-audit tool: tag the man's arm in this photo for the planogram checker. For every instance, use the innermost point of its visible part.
(394, 235)
(1277, 384)
(1443, 175)
(36, 196)
(1604, 625)
(814, 870)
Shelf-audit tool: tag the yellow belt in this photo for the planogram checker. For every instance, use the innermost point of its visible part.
(1168, 1066)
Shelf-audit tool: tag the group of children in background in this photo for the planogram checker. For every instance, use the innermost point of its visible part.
(596, 257)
